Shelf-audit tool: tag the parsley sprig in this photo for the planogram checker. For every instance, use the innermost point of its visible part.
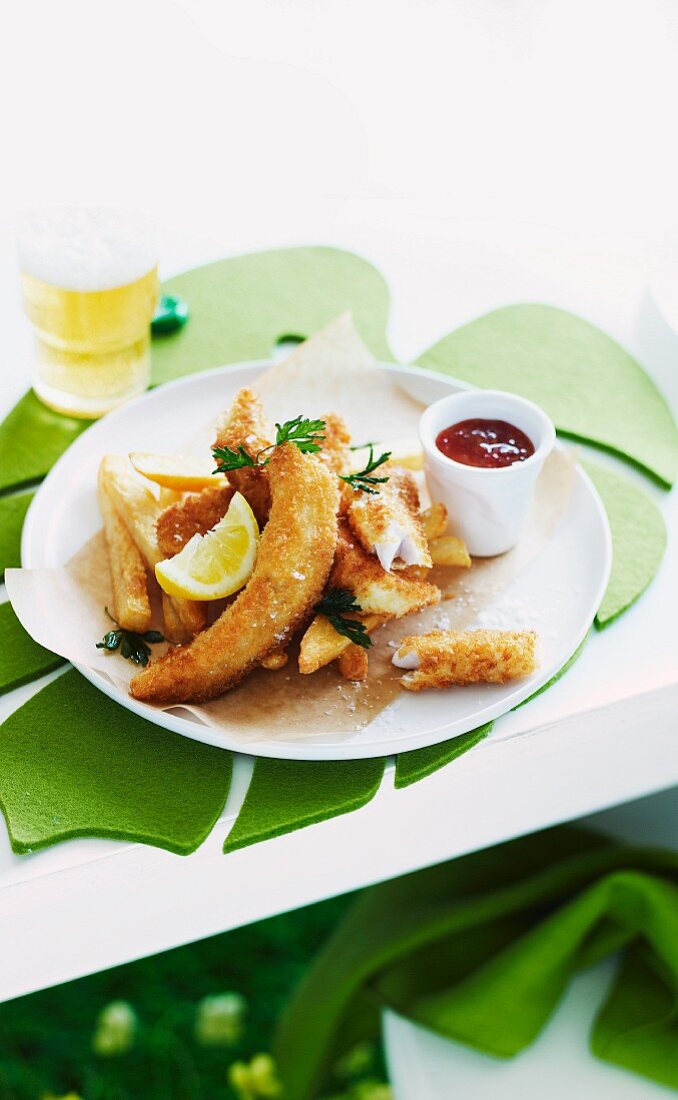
(306, 434)
(133, 647)
(336, 605)
(364, 479)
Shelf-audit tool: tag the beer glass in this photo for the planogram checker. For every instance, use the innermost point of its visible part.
(90, 286)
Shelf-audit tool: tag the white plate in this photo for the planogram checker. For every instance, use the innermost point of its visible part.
(562, 588)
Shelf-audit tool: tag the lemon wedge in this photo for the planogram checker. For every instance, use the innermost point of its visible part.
(187, 473)
(217, 564)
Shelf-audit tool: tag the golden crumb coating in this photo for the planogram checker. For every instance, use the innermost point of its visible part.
(245, 425)
(196, 515)
(447, 657)
(335, 452)
(293, 563)
(376, 590)
(388, 523)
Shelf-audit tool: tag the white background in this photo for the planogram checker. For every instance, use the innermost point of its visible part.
(247, 123)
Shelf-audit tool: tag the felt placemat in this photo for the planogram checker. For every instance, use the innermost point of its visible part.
(419, 764)
(74, 764)
(326, 282)
(481, 949)
(285, 795)
(21, 659)
(590, 386)
(12, 515)
(638, 540)
(32, 438)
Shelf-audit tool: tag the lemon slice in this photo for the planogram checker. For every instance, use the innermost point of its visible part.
(186, 473)
(217, 564)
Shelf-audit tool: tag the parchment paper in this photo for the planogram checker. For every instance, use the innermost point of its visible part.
(63, 609)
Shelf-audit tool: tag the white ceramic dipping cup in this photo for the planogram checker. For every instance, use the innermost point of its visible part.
(486, 506)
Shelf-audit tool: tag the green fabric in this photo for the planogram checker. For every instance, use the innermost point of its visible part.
(21, 659)
(32, 438)
(285, 795)
(638, 540)
(416, 765)
(12, 515)
(241, 307)
(481, 950)
(73, 764)
(590, 386)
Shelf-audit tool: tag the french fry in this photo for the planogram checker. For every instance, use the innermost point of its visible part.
(321, 643)
(275, 660)
(131, 605)
(185, 473)
(434, 520)
(353, 663)
(450, 550)
(140, 510)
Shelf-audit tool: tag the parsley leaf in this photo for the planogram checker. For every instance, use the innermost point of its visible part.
(335, 605)
(306, 434)
(227, 459)
(133, 647)
(363, 479)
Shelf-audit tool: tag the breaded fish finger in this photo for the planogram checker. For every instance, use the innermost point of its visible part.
(293, 563)
(245, 425)
(196, 515)
(388, 523)
(446, 657)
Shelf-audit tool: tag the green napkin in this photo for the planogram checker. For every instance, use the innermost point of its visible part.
(481, 950)
(592, 388)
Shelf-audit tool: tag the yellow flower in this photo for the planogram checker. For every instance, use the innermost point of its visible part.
(256, 1081)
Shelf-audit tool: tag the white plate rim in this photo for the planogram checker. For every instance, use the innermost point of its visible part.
(302, 749)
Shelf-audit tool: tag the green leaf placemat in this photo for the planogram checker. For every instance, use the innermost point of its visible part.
(241, 307)
(638, 540)
(32, 438)
(73, 763)
(416, 765)
(21, 659)
(588, 384)
(289, 794)
(12, 515)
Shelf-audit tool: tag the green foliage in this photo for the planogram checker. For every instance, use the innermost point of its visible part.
(171, 1004)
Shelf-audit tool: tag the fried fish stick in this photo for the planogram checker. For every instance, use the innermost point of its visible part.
(245, 425)
(321, 644)
(335, 451)
(388, 523)
(196, 515)
(131, 605)
(140, 510)
(447, 657)
(353, 663)
(376, 590)
(293, 563)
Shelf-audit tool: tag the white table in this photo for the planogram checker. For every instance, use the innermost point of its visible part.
(605, 734)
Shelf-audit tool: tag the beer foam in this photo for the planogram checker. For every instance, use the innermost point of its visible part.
(85, 250)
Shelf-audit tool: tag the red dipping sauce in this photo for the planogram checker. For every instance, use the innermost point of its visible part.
(489, 443)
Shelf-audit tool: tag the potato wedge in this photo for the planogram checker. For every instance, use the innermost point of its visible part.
(449, 550)
(353, 663)
(321, 643)
(434, 520)
(185, 473)
(131, 605)
(275, 660)
(139, 510)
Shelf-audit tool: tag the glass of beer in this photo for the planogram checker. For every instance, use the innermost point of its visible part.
(90, 286)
